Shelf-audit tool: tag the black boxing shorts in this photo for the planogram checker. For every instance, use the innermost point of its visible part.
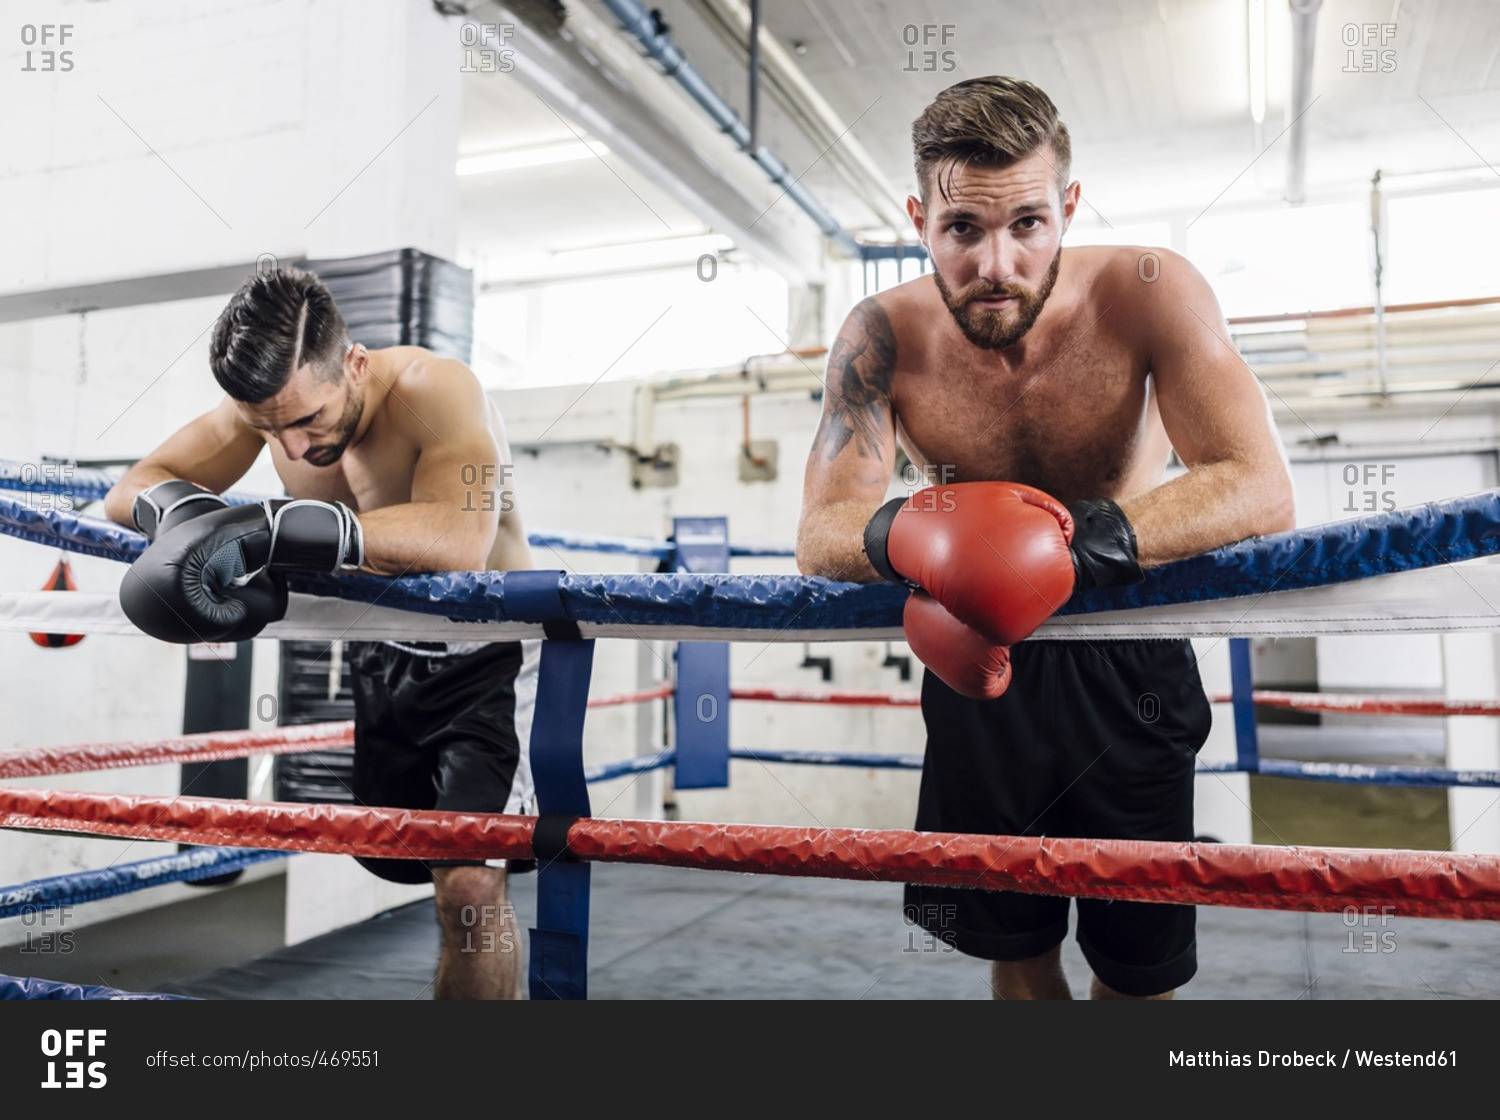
(443, 726)
(1092, 739)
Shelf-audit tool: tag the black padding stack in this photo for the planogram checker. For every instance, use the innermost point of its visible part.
(404, 298)
(314, 687)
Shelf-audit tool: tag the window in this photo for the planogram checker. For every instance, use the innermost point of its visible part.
(1270, 262)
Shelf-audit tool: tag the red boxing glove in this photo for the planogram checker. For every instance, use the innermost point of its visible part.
(958, 655)
(996, 555)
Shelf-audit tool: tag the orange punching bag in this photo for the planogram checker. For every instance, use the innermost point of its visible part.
(60, 580)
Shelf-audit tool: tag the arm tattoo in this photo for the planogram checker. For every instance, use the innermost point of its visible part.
(860, 369)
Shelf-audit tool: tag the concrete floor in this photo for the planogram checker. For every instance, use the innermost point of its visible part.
(670, 934)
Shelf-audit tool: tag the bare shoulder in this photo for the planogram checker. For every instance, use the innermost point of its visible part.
(1158, 290)
(901, 303)
(1133, 271)
(427, 387)
(422, 371)
(878, 323)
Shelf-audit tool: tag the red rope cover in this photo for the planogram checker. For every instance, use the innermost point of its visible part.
(1399, 883)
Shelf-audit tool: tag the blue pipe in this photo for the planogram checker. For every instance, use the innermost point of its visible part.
(637, 21)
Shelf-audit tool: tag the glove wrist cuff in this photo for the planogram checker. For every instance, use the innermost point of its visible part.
(310, 535)
(1104, 548)
(169, 502)
(877, 533)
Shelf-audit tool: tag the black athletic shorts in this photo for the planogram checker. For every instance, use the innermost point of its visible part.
(439, 726)
(1092, 739)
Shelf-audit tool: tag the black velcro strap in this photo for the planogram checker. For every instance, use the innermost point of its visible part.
(549, 839)
(877, 529)
(1104, 546)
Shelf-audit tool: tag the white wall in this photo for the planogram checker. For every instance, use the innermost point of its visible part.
(1452, 666)
(178, 142)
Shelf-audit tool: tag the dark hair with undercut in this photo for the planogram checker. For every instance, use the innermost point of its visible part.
(989, 122)
(279, 321)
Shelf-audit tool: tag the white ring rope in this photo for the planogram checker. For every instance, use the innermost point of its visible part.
(1427, 600)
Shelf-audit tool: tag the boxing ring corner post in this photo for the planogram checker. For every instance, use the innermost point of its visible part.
(700, 702)
(558, 968)
(1242, 700)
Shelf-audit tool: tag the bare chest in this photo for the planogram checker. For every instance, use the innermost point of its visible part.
(1076, 420)
(376, 473)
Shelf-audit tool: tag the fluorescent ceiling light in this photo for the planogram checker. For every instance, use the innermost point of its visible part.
(487, 163)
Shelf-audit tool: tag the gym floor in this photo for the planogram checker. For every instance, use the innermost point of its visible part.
(673, 934)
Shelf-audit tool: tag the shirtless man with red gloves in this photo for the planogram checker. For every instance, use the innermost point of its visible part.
(1041, 391)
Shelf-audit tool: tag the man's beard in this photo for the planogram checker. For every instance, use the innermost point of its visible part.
(989, 329)
(327, 454)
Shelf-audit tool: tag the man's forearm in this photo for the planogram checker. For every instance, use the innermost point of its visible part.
(1209, 506)
(426, 537)
(832, 544)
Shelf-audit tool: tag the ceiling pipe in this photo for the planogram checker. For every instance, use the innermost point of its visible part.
(824, 127)
(1304, 24)
(754, 69)
(579, 65)
(639, 23)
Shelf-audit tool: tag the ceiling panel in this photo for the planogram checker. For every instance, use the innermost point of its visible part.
(1154, 92)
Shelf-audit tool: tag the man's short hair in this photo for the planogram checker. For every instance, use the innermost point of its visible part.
(279, 321)
(989, 122)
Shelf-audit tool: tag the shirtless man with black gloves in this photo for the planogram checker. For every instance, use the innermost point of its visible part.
(379, 452)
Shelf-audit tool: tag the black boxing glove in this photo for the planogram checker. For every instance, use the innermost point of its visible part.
(223, 573)
(1103, 546)
(156, 511)
(167, 504)
(186, 587)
